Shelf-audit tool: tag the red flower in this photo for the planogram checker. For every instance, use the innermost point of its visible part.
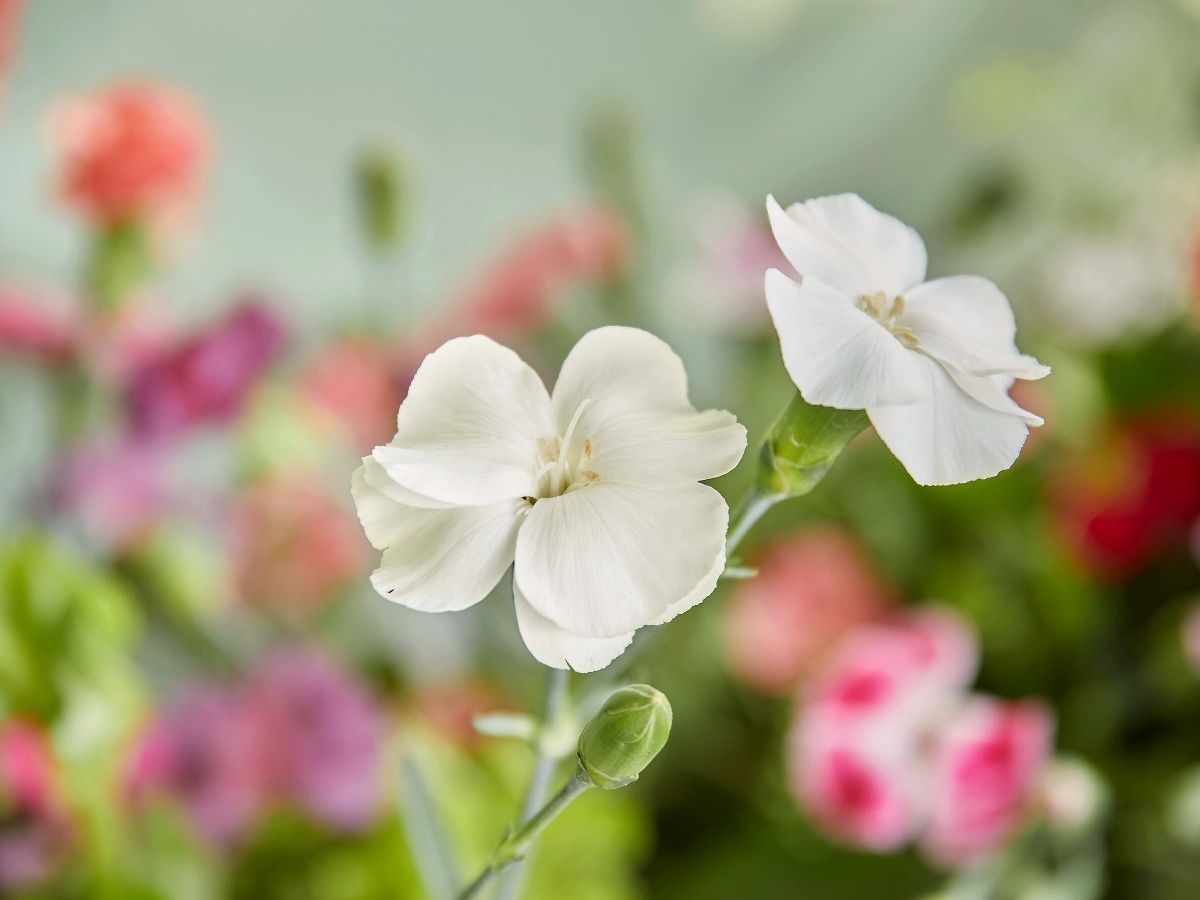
(1134, 499)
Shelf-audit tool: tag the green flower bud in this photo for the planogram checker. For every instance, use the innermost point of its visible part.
(803, 445)
(624, 736)
(380, 185)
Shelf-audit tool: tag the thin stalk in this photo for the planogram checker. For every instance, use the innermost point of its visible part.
(515, 846)
(543, 769)
(752, 508)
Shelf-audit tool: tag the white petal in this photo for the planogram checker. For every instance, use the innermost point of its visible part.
(966, 322)
(950, 438)
(559, 649)
(848, 244)
(661, 448)
(699, 593)
(626, 368)
(377, 477)
(606, 559)
(437, 560)
(467, 433)
(992, 391)
(836, 354)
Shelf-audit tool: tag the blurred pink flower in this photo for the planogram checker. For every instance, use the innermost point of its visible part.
(722, 283)
(357, 384)
(10, 19)
(114, 488)
(206, 379)
(131, 150)
(858, 794)
(811, 589)
(320, 736)
(35, 826)
(203, 752)
(987, 763)
(37, 323)
(516, 294)
(888, 746)
(292, 544)
(907, 670)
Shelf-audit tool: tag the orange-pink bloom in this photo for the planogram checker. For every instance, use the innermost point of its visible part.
(132, 150)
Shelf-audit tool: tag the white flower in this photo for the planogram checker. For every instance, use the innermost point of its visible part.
(592, 490)
(931, 362)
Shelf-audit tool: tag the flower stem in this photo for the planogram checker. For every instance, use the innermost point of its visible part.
(548, 757)
(516, 845)
(752, 508)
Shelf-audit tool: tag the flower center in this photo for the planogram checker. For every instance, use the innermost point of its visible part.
(887, 313)
(565, 461)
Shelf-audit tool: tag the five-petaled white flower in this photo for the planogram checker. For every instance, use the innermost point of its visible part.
(593, 491)
(931, 362)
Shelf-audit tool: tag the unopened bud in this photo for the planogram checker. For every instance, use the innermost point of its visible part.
(381, 190)
(624, 736)
(803, 444)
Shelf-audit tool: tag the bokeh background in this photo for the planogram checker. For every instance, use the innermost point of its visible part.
(201, 696)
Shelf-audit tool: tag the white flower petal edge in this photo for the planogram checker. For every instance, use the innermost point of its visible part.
(930, 362)
(609, 559)
(436, 560)
(468, 429)
(593, 491)
(559, 649)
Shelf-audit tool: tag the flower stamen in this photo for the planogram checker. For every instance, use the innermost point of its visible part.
(878, 308)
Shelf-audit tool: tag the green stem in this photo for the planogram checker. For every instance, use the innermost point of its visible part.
(752, 508)
(543, 770)
(517, 845)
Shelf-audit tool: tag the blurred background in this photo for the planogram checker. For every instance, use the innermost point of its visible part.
(229, 232)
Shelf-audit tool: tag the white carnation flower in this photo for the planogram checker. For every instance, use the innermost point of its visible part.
(593, 491)
(931, 362)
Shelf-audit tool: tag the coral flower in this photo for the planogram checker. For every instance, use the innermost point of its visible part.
(593, 491)
(931, 362)
(132, 150)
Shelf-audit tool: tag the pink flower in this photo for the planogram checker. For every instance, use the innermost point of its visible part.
(811, 589)
(858, 795)
(357, 385)
(10, 18)
(908, 669)
(131, 150)
(517, 294)
(202, 751)
(35, 827)
(320, 738)
(293, 545)
(986, 764)
(206, 379)
(38, 324)
(114, 488)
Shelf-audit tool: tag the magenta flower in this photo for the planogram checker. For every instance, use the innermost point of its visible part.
(206, 379)
(320, 738)
(202, 751)
(114, 488)
(35, 827)
(988, 762)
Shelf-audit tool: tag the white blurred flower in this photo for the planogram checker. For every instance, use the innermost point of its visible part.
(592, 490)
(930, 362)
